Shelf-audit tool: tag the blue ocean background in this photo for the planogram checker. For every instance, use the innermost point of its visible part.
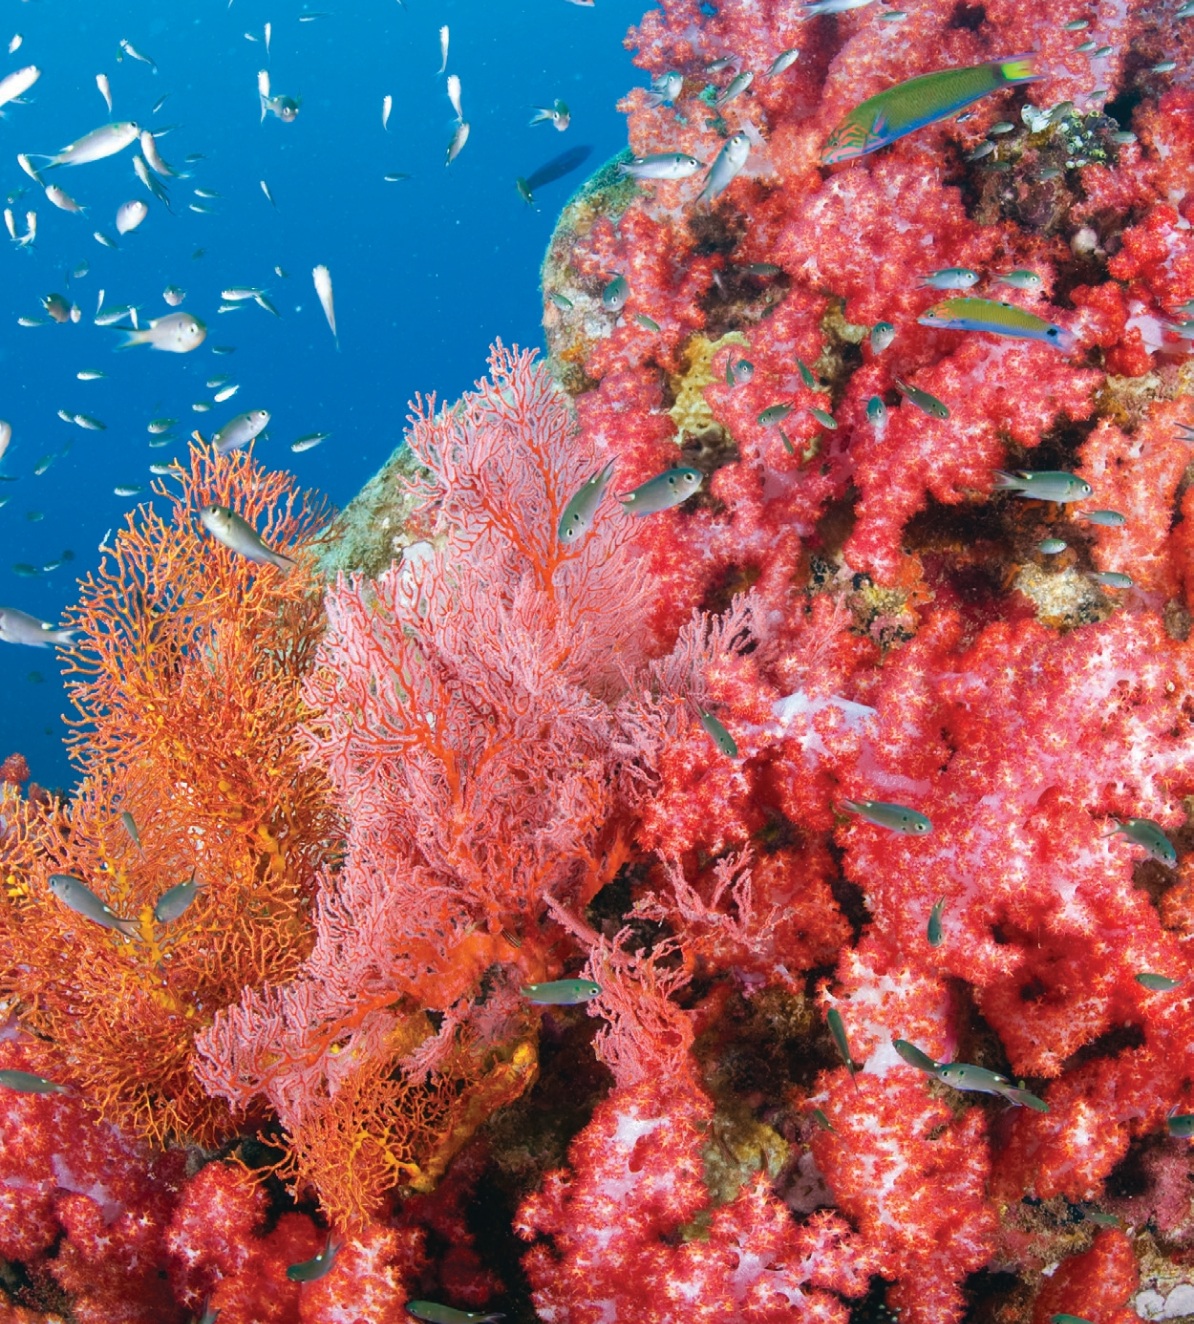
(427, 271)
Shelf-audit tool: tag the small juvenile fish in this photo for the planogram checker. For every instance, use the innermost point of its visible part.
(662, 492)
(18, 627)
(25, 1082)
(90, 374)
(1043, 485)
(1156, 983)
(668, 86)
(226, 393)
(922, 400)
(323, 287)
(739, 373)
(269, 197)
(1144, 832)
(387, 104)
(241, 430)
(101, 81)
(837, 1028)
(1112, 578)
(561, 301)
(176, 333)
(127, 489)
(908, 106)
(914, 1057)
(983, 149)
(664, 165)
(1020, 279)
(285, 108)
(1181, 1125)
(736, 87)
(159, 425)
(784, 60)
(726, 165)
(615, 294)
(896, 818)
(882, 334)
(1075, 25)
(77, 896)
(1108, 519)
(557, 115)
(561, 992)
(978, 1080)
(1165, 67)
(89, 423)
(175, 901)
(18, 83)
(1051, 546)
(311, 1270)
(823, 417)
(581, 510)
(1003, 319)
(61, 199)
(134, 54)
(831, 7)
(459, 138)
(443, 50)
(876, 411)
(719, 735)
(309, 442)
(806, 376)
(773, 414)
(434, 1313)
(237, 534)
(130, 215)
(647, 323)
(935, 935)
(951, 278)
(130, 826)
(454, 95)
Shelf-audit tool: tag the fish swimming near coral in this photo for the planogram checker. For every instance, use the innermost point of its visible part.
(561, 992)
(77, 896)
(1002, 319)
(25, 1082)
(896, 818)
(665, 490)
(911, 105)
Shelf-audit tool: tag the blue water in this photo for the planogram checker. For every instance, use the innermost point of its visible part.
(426, 271)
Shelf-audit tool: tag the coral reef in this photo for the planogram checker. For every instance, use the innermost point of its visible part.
(857, 784)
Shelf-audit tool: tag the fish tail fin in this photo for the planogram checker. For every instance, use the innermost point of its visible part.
(131, 337)
(540, 116)
(1005, 482)
(129, 927)
(1019, 68)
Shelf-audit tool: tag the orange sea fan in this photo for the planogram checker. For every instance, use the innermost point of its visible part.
(187, 677)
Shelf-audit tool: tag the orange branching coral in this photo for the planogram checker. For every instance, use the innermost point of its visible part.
(187, 677)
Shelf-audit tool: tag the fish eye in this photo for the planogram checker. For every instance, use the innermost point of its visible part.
(1052, 331)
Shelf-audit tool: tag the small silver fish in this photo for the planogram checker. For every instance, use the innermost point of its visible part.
(876, 411)
(237, 534)
(134, 54)
(1044, 485)
(882, 334)
(130, 826)
(323, 288)
(896, 818)
(1108, 519)
(18, 627)
(90, 424)
(77, 896)
(130, 215)
(1112, 578)
(309, 442)
(719, 735)
(735, 88)
(615, 294)
(175, 901)
(726, 166)
(1151, 836)
(557, 115)
(432, 1311)
(581, 510)
(105, 141)
(668, 86)
(25, 1082)
(241, 430)
(929, 404)
(459, 138)
(663, 165)
(951, 278)
(831, 7)
(1020, 279)
(739, 372)
(1156, 983)
(285, 108)
(315, 1268)
(935, 935)
(773, 414)
(561, 992)
(647, 323)
(176, 333)
(1051, 546)
(159, 425)
(914, 1056)
(662, 492)
(784, 60)
(837, 1028)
